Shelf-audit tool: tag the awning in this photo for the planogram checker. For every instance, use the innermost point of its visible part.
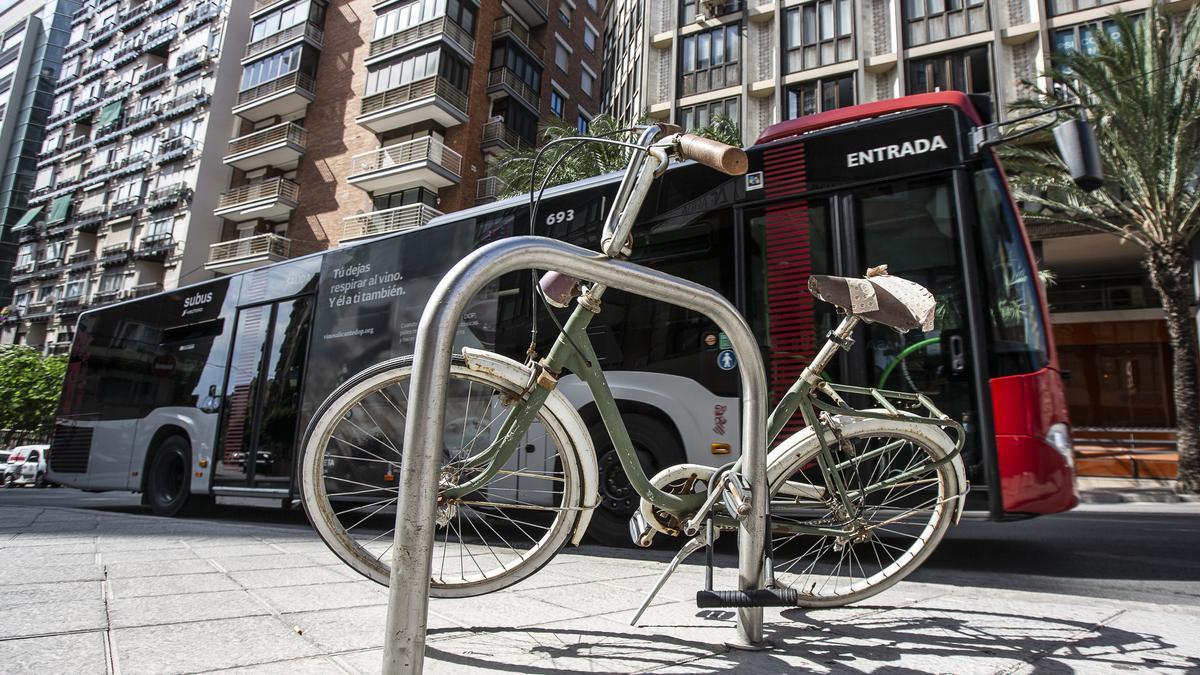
(59, 209)
(28, 217)
(110, 113)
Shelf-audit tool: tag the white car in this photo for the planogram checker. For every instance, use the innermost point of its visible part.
(26, 466)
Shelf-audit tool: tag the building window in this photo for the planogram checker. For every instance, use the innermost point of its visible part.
(562, 55)
(590, 36)
(394, 200)
(587, 81)
(112, 281)
(564, 14)
(76, 287)
(286, 17)
(417, 13)
(809, 98)
(819, 33)
(1083, 38)
(697, 116)
(507, 56)
(932, 20)
(557, 103)
(25, 254)
(594, 5)
(277, 65)
(582, 123)
(710, 60)
(1057, 7)
(418, 66)
(967, 71)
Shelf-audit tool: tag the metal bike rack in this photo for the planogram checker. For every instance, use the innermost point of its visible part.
(408, 602)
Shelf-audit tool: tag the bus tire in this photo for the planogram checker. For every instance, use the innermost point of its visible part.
(657, 448)
(168, 487)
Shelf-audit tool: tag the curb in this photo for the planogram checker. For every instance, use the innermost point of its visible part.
(1135, 496)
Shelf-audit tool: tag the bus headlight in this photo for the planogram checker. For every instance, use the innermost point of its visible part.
(1059, 438)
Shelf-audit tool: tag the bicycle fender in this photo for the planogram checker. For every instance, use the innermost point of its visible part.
(558, 406)
(804, 442)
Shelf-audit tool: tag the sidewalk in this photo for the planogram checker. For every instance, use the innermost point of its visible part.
(95, 592)
(1109, 490)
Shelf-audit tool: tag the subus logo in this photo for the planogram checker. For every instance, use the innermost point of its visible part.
(198, 299)
(886, 152)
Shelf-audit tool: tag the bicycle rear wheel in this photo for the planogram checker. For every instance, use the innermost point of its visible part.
(896, 528)
(485, 541)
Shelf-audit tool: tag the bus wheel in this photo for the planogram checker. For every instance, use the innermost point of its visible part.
(656, 447)
(167, 485)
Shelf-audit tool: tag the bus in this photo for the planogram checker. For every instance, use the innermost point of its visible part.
(205, 391)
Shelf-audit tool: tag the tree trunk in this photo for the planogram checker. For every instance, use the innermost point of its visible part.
(1170, 268)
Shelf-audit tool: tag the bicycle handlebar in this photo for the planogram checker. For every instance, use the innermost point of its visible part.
(713, 154)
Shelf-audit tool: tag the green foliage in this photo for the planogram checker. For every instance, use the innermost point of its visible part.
(514, 167)
(30, 385)
(1141, 91)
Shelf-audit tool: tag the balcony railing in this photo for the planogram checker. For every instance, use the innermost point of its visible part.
(249, 247)
(287, 131)
(311, 31)
(505, 76)
(489, 187)
(297, 80)
(439, 26)
(388, 220)
(430, 86)
(507, 24)
(496, 132)
(276, 188)
(143, 289)
(152, 77)
(420, 149)
(200, 16)
(167, 197)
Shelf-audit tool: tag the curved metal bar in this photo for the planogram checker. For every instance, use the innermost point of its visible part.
(408, 603)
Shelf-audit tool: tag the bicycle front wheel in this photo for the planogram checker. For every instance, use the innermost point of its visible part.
(491, 538)
(901, 505)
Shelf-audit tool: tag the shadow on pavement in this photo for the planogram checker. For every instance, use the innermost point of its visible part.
(875, 643)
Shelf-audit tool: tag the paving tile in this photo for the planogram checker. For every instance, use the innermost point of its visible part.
(320, 665)
(262, 562)
(236, 550)
(59, 573)
(183, 608)
(293, 599)
(167, 552)
(156, 568)
(63, 591)
(53, 617)
(208, 645)
(298, 576)
(81, 653)
(341, 630)
(138, 587)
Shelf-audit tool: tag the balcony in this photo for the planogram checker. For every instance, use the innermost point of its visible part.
(153, 77)
(422, 161)
(280, 97)
(422, 34)
(270, 199)
(504, 82)
(125, 207)
(182, 105)
(81, 260)
(173, 149)
(244, 254)
(132, 18)
(263, 5)
(279, 146)
(163, 5)
(155, 247)
(506, 26)
(489, 188)
(192, 60)
(140, 120)
(389, 220)
(301, 31)
(142, 290)
(71, 306)
(499, 138)
(200, 16)
(167, 197)
(106, 33)
(532, 12)
(116, 254)
(106, 297)
(431, 99)
(159, 37)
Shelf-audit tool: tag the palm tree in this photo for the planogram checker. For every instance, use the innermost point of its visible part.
(513, 168)
(1141, 88)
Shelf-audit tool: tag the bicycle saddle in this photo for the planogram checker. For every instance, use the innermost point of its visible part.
(879, 298)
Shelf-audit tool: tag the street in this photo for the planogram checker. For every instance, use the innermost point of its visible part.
(1102, 588)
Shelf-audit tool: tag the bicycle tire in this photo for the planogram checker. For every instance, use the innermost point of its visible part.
(490, 509)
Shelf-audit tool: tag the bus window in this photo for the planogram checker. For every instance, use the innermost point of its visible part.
(1018, 339)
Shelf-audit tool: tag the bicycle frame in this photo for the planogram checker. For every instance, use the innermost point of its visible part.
(573, 350)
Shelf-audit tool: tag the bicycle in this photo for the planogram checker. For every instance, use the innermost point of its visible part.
(519, 477)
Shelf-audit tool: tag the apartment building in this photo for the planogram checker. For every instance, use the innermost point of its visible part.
(33, 34)
(761, 63)
(124, 179)
(360, 118)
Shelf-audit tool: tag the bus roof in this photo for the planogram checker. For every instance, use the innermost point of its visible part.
(830, 118)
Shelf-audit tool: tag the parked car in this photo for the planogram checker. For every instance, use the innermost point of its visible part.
(26, 466)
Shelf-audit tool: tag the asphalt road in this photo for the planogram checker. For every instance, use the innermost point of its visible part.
(1140, 552)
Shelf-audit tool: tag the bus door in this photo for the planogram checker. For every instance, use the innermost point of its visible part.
(260, 413)
(911, 226)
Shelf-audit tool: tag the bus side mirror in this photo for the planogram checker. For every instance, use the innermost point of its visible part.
(1077, 146)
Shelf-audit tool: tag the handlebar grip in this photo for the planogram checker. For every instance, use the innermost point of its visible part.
(713, 154)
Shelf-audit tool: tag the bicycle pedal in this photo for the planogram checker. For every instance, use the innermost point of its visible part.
(736, 497)
(640, 531)
(763, 597)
